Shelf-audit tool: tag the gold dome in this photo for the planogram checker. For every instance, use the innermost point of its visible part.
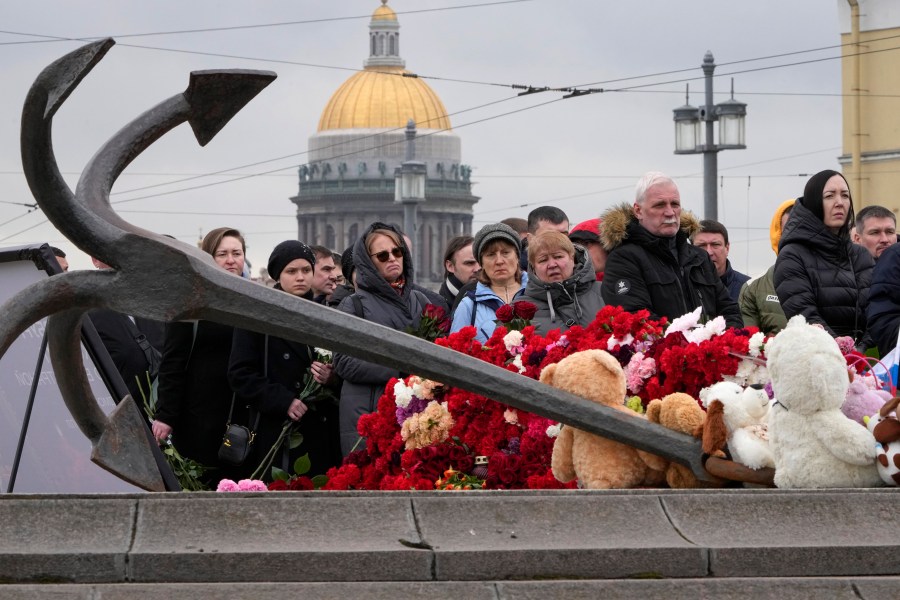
(384, 13)
(378, 98)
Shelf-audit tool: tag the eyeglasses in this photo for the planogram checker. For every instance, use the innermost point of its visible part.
(384, 255)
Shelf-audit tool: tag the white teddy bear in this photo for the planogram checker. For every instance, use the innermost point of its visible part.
(737, 416)
(814, 444)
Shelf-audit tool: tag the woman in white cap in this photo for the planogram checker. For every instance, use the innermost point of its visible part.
(500, 281)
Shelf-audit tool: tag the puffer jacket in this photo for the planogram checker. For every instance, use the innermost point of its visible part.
(760, 306)
(884, 300)
(363, 381)
(485, 303)
(822, 276)
(562, 304)
(643, 273)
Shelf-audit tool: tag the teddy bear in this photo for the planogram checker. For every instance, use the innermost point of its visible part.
(814, 444)
(736, 416)
(886, 430)
(862, 401)
(681, 413)
(598, 462)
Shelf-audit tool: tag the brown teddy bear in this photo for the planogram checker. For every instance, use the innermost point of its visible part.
(681, 413)
(597, 462)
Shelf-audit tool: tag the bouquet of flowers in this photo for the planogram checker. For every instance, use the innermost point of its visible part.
(434, 323)
(312, 391)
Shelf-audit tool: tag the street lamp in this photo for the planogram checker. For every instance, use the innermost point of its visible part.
(730, 114)
(409, 185)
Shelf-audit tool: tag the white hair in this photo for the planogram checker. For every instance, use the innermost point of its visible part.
(646, 182)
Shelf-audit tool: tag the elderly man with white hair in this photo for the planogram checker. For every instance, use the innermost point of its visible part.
(653, 265)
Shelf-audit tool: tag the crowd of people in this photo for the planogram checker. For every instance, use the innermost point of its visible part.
(839, 269)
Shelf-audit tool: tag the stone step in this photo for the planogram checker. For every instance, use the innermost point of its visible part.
(833, 588)
(448, 536)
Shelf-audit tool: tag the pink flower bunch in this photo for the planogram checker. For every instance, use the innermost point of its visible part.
(244, 485)
(638, 370)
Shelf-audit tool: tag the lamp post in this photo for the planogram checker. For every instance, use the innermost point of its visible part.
(730, 114)
(409, 186)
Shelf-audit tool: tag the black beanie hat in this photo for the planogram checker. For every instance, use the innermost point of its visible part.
(347, 266)
(286, 252)
(813, 192)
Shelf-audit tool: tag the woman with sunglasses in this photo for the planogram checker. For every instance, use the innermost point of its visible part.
(385, 294)
(268, 373)
(500, 281)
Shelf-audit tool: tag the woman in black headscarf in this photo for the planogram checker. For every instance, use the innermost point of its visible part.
(820, 273)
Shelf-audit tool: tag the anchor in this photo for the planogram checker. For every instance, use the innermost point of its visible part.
(155, 277)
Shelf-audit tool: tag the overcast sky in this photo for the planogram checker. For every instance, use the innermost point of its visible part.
(582, 154)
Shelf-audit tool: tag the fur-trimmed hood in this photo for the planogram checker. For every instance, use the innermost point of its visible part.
(617, 219)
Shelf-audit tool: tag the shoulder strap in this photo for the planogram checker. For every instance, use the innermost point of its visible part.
(471, 294)
(150, 353)
(357, 305)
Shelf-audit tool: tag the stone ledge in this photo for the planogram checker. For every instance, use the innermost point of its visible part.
(448, 536)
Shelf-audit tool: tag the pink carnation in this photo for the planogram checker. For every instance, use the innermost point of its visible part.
(227, 485)
(251, 485)
(638, 370)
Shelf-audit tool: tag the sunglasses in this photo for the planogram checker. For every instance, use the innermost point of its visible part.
(385, 255)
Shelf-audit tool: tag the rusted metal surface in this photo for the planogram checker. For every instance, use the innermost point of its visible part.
(159, 278)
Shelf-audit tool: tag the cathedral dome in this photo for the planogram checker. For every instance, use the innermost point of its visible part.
(379, 97)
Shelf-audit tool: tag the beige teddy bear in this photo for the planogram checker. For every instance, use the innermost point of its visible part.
(680, 412)
(597, 462)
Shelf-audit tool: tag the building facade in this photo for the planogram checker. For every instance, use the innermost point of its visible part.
(870, 86)
(360, 142)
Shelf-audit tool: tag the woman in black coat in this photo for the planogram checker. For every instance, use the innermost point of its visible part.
(193, 392)
(268, 372)
(820, 273)
(385, 294)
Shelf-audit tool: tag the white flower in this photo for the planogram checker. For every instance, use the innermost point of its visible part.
(402, 394)
(553, 430)
(612, 342)
(323, 355)
(513, 340)
(756, 343)
(517, 361)
(511, 416)
(685, 322)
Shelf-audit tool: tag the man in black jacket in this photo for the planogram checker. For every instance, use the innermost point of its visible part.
(652, 264)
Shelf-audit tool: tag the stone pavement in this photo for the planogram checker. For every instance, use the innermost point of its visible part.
(634, 543)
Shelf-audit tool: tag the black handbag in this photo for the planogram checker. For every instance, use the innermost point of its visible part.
(237, 443)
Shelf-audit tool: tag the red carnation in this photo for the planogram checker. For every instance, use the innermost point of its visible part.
(278, 486)
(524, 310)
(433, 311)
(301, 483)
(505, 313)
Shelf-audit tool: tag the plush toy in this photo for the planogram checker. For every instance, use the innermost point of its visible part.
(814, 444)
(682, 413)
(597, 462)
(862, 401)
(737, 417)
(886, 429)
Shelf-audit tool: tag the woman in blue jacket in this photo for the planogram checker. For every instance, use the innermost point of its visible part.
(500, 281)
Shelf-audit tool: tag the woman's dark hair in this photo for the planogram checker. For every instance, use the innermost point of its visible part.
(212, 239)
(813, 201)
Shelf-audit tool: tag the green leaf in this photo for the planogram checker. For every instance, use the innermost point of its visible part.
(302, 465)
(279, 474)
(295, 439)
(319, 481)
